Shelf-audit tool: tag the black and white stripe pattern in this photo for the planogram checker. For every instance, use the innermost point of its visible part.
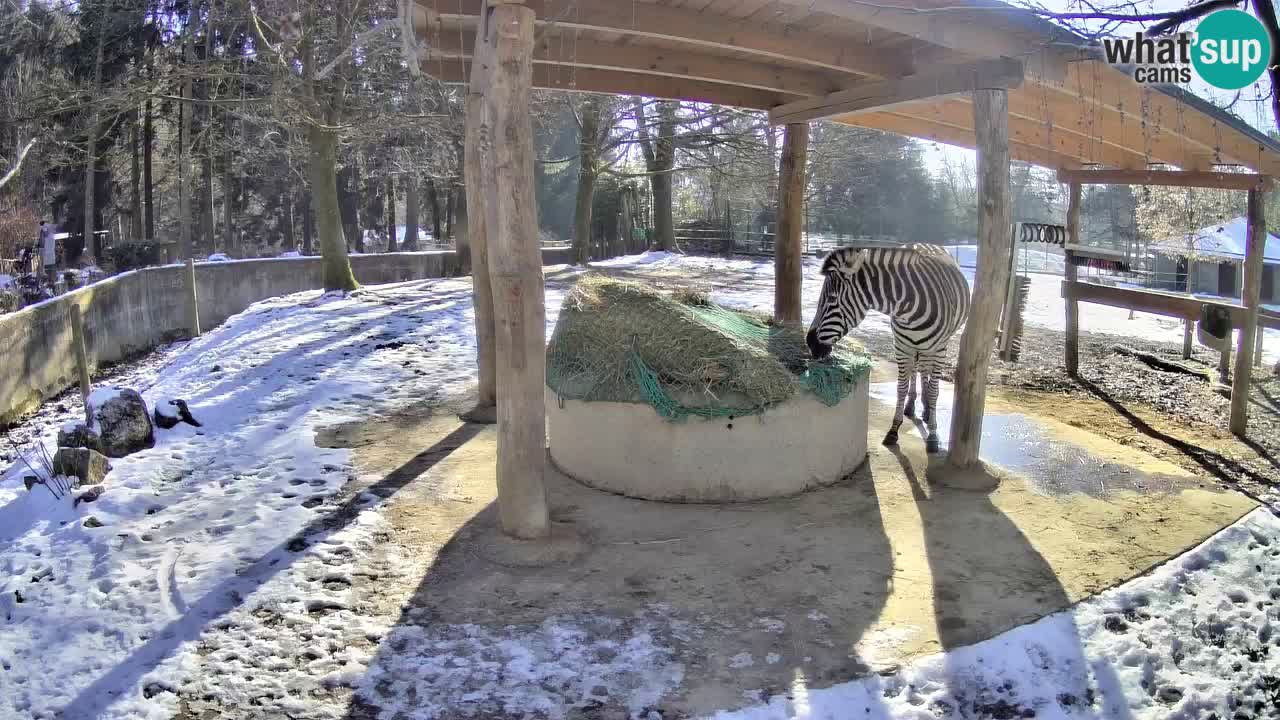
(925, 295)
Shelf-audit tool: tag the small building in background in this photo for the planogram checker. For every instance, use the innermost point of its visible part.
(1214, 257)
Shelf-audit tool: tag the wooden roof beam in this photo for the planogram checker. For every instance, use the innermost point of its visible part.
(688, 27)
(1100, 124)
(612, 82)
(949, 135)
(973, 29)
(1097, 83)
(958, 112)
(1003, 73)
(557, 49)
(1171, 178)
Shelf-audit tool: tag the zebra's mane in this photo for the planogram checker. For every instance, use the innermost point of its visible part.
(847, 257)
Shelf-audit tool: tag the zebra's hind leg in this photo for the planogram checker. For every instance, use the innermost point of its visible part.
(926, 412)
(933, 443)
(909, 410)
(906, 367)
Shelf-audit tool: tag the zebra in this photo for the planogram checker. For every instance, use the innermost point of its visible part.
(926, 296)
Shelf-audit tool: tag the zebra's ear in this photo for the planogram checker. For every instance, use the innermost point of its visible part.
(847, 262)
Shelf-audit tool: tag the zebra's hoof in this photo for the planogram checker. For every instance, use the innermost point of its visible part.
(891, 438)
(933, 446)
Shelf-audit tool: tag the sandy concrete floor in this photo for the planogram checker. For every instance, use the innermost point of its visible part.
(892, 563)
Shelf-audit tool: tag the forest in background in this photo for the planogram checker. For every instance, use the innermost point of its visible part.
(184, 128)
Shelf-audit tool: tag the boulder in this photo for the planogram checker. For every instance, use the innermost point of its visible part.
(88, 495)
(90, 466)
(79, 436)
(122, 421)
(169, 413)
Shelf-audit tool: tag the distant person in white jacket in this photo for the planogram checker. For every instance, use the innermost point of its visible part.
(48, 251)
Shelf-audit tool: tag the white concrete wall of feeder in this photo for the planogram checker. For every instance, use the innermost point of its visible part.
(627, 448)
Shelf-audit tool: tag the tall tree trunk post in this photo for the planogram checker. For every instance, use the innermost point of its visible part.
(788, 254)
(771, 144)
(349, 202)
(1072, 344)
(229, 195)
(588, 149)
(462, 229)
(184, 151)
(478, 141)
(1249, 297)
(433, 199)
(991, 123)
(91, 162)
(135, 177)
(515, 270)
(208, 232)
(665, 154)
(391, 214)
(411, 203)
(148, 142)
(324, 187)
(449, 205)
(308, 224)
(286, 223)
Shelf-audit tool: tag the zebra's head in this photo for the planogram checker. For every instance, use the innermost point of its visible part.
(839, 309)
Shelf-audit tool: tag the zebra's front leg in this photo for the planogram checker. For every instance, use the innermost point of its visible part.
(906, 368)
(933, 444)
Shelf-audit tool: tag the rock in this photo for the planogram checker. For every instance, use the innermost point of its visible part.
(30, 481)
(89, 495)
(122, 421)
(90, 466)
(169, 413)
(79, 436)
(92, 522)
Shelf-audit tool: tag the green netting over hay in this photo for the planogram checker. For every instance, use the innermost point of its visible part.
(684, 355)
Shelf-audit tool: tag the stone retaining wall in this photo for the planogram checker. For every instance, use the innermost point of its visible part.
(135, 311)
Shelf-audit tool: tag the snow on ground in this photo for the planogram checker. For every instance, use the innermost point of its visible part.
(99, 618)
(227, 542)
(1195, 639)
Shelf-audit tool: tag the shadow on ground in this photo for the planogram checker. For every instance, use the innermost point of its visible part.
(639, 607)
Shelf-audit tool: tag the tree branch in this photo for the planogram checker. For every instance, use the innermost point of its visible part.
(17, 164)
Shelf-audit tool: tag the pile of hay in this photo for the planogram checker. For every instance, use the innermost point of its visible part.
(684, 355)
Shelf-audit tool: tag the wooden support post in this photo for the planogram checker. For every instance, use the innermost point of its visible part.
(788, 260)
(991, 123)
(1249, 297)
(515, 270)
(82, 359)
(193, 306)
(1188, 326)
(1072, 345)
(476, 232)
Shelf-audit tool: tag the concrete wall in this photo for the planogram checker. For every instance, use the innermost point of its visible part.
(133, 312)
(627, 448)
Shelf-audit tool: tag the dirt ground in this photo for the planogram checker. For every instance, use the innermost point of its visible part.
(895, 562)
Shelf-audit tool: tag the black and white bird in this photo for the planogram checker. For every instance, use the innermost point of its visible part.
(926, 296)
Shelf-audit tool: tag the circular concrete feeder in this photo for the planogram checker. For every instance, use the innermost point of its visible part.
(627, 448)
